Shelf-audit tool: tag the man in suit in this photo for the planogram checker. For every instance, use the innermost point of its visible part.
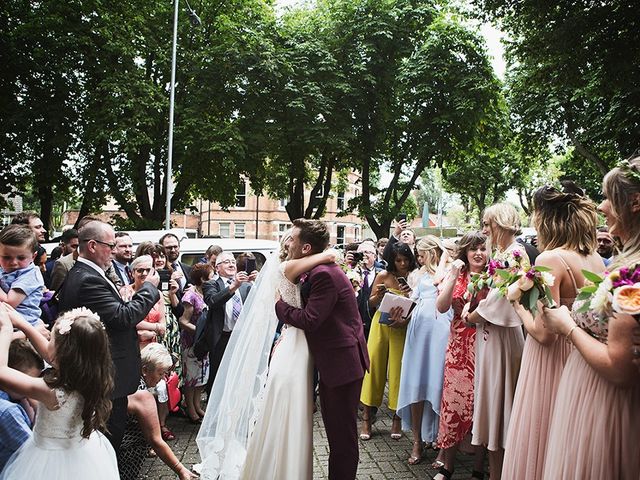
(224, 296)
(122, 256)
(171, 245)
(368, 271)
(334, 332)
(87, 286)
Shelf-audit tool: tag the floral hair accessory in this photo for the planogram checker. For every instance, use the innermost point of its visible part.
(64, 322)
(629, 170)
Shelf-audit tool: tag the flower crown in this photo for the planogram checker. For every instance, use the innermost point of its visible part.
(629, 170)
(64, 322)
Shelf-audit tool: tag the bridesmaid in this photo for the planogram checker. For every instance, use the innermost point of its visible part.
(595, 426)
(422, 371)
(499, 343)
(566, 225)
(456, 411)
(386, 342)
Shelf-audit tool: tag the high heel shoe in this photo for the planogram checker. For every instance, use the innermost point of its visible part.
(396, 428)
(416, 459)
(365, 433)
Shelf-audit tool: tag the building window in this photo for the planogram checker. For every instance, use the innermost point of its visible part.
(238, 230)
(341, 200)
(320, 192)
(282, 203)
(241, 196)
(282, 228)
(356, 233)
(340, 235)
(225, 229)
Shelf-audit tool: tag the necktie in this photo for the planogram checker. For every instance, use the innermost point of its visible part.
(237, 304)
(365, 281)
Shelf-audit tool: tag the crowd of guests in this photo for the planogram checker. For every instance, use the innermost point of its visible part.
(148, 304)
(555, 394)
(550, 395)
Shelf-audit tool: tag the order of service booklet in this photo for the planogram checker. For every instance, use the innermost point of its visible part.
(391, 300)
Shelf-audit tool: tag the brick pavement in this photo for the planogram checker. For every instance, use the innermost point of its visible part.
(381, 458)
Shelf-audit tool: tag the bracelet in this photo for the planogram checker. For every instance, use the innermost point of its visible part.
(175, 467)
(568, 335)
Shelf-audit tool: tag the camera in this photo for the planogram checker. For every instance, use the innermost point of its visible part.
(357, 257)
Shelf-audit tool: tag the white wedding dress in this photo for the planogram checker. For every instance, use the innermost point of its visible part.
(258, 425)
(57, 451)
(281, 446)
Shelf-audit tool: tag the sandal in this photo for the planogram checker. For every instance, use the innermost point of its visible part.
(413, 459)
(365, 434)
(167, 435)
(446, 474)
(437, 465)
(477, 475)
(395, 434)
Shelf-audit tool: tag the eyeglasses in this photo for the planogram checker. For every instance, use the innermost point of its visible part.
(226, 262)
(143, 270)
(107, 244)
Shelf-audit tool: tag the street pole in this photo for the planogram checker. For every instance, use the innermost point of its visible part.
(167, 223)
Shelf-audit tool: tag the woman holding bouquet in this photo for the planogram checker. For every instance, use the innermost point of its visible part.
(499, 340)
(595, 426)
(456, 410)
(566, 225)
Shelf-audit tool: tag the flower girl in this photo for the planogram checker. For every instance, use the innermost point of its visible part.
(73, 395)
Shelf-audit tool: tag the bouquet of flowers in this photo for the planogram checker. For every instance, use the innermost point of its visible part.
(526, 286)
(616, 292)
(491, 277)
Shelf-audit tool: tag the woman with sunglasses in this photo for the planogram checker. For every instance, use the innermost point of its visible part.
(153, 324)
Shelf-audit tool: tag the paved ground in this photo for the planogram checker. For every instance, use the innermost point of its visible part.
(381, 457)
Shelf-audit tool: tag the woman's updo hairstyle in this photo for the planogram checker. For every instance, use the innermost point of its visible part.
(565, 218)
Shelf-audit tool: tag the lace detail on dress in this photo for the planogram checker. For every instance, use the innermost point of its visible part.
(65, 422)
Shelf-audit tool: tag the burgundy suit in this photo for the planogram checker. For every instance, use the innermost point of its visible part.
(335, 335)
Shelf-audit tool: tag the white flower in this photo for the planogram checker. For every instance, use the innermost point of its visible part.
(601, 300)
(513, 292)
(548, 279)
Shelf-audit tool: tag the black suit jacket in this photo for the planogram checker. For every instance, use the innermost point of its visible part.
(85, 287)
(216, 294)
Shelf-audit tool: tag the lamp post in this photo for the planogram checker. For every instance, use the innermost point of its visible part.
(195, 21)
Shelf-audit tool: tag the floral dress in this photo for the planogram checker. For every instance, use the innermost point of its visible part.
(456, 411)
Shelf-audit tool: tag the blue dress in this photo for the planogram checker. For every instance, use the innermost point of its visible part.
(422, 373)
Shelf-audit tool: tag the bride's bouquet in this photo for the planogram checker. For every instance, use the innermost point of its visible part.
(526, 286)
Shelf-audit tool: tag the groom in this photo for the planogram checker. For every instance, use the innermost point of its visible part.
(334, 332)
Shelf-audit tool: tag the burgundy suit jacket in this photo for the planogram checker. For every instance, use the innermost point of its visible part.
(332, 325)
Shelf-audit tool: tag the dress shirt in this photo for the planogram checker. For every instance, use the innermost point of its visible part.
(229, 321)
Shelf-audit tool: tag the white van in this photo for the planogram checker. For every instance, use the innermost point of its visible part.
(193, 249)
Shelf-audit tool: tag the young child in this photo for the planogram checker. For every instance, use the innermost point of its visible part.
(73, 395)
(15, 419)
(21, 282)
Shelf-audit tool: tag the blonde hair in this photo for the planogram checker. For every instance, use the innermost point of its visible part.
(565, 219)
(431, 246)
(506, 219)
(155, 355)
(284, 252)
(620, 186)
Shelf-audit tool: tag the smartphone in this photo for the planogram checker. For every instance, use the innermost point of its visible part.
(403, 282)
(250, 265)
(165, 276)
(402, 217)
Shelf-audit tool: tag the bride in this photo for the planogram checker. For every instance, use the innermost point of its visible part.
(259, 426)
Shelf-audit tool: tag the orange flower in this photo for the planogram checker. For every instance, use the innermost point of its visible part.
(626, 299)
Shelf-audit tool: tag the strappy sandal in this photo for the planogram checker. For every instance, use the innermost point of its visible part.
(396, 435)
(413, 459)
(366, 427)
(437, 464)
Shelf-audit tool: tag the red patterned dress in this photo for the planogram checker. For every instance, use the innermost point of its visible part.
(456, 412)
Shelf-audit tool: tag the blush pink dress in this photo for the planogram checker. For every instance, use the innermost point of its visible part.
(538, 381)
(595, 425)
